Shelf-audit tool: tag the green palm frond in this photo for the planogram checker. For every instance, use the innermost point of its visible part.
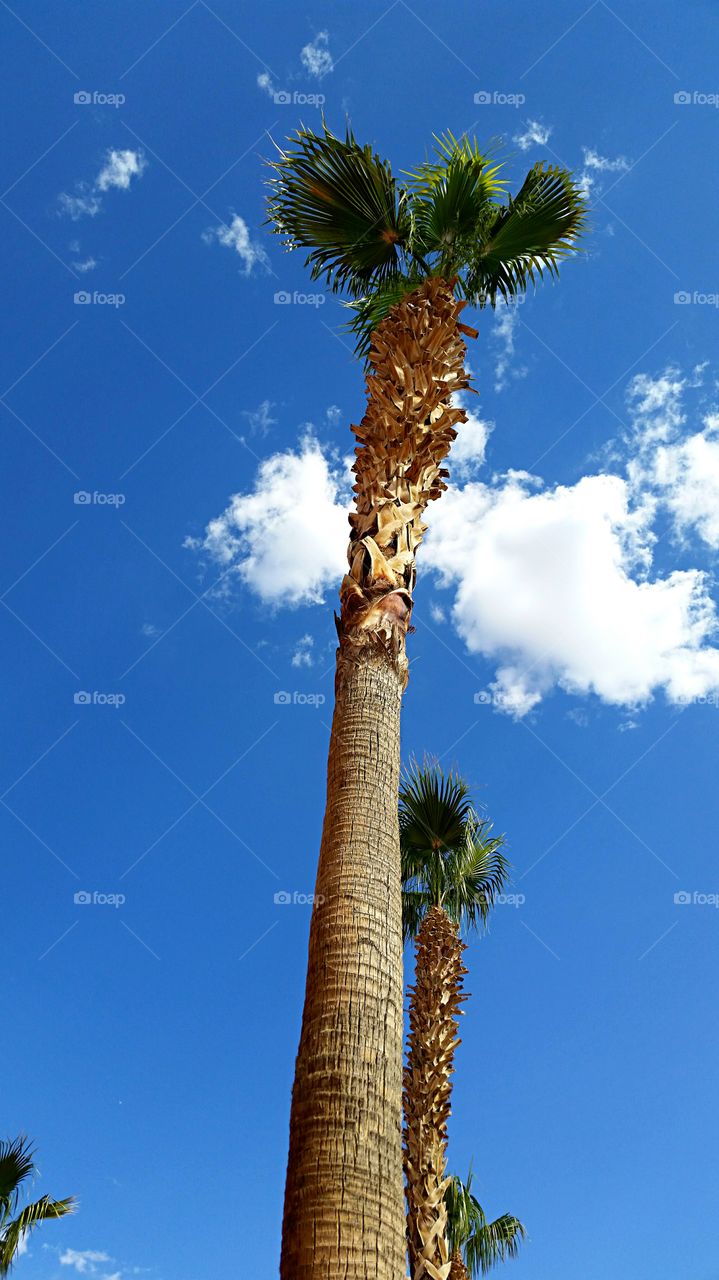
(375, 241)
(341, 202)
(16, 1164)
(449, 856)
(483, 1244)
(529, 236)
(41, 1211)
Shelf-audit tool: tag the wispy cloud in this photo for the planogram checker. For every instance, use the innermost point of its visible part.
(302, 656)
(595, 164)
(503, 337)
(118, 170)
(83, 1260)
(535, 134)
(316, 57)
(236, 235)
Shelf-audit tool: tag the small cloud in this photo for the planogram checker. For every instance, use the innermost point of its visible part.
(150, 630)
(437, 614)
(503, 334)
(260, 419)
(83, 1260)
(535, 134)
(236, 235)
(594, 164)
(118, 170)
(579, 717)
(88, 264)
(334, 415)
(627, 725)
(264, 82)
(316, 57)
(302, 656)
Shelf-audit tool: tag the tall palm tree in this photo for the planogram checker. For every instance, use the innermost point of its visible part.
(476, 1245)
(453, 869)
(16, 1165)
(408, 258)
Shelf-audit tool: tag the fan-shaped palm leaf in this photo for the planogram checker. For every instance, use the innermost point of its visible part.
(17, 1164)
(450, 858)
(483, 1244)
(340, 201)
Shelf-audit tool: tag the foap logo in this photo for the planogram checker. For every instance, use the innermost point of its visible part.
(283, 698)
(495, 98)
(683, 298)
(695, 98)
(83, 498)
(94, 898)
(283, 898)
(492, 698)
(283, 298)
(695, 899)
(509, 900)
(95, 698)
(283, 98)
(83, 298)
(95, 98)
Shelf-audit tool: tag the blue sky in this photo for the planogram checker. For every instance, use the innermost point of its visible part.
(565, 654)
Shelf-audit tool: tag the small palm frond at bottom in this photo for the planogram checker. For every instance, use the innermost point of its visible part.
(41, 1211)
(483, 1244)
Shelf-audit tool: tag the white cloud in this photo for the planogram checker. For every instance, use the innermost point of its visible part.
(551, 586)
(302, 656)
(437, 614)
(680, 471)
(470, 446)
(316, 57)
(236, 236)
(333, 414)
(287, 539)
(118, 170)
(594, 163)
(535, 134)
(264, 82)
(87, 264)
(502, 335)
(83, 1260)
(260, 419)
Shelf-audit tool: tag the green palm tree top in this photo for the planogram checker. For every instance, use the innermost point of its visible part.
(450, 858)
(16, 1166)
(376, 240)
(482, 1244)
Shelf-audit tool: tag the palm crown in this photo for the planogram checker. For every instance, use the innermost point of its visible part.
(482, 1244)
(450, 858)
(16, 1165)
(377, 240)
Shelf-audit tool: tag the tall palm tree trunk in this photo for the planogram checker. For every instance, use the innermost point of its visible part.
(434, 1011)
(344, 1215)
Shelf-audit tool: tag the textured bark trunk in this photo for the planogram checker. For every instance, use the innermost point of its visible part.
(344, 1212)
(458, 1270)
(434, 1011)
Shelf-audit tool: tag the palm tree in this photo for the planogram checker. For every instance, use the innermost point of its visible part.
(408, 258)
(476, 1245)
(16, 1165)
(453, 869)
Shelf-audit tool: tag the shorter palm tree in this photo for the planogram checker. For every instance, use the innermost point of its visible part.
(453, 869)
(16, 1165)
(476, 1245)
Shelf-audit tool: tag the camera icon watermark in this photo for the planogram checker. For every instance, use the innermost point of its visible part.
(84, 498)
(695, 98)
(285, 698)
(695, 899)
(94, 898)
(94, 98)
(683, 298)
(83, 298)
(283, 298)
(284, 898)
(495, 98)
(283, 98)
(96, 698)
